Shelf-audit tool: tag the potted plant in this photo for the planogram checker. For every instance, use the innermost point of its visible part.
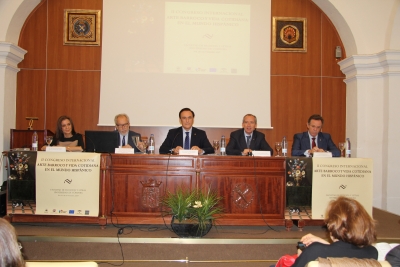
(193, 211)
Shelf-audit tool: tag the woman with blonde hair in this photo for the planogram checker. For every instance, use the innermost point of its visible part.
(10, 254)
(351, 229)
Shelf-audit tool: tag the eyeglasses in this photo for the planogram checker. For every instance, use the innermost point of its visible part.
(123, 125)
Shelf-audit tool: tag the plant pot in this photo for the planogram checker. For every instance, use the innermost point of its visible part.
(189, 229)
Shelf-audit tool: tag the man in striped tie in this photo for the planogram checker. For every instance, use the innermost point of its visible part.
(245, 140)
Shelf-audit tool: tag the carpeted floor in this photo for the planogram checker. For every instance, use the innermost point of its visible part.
(157, 245)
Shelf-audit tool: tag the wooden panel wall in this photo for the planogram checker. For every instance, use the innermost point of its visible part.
(301, 83)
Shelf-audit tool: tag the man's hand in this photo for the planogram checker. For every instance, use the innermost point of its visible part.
(315, 149)
(198, 149)
(246, 151)
(141, 146)
(176, 150)
(126, 146)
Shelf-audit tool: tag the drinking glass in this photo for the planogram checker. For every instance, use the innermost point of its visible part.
(342, 146)
(141, 145)
(278, 147)
(215, 146)
(49, 139)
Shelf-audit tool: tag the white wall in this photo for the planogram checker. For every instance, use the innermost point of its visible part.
(372, 68)
(13, 14)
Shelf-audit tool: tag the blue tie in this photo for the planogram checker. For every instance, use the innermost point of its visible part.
(248, 141)
(187, 141)
(123, 140)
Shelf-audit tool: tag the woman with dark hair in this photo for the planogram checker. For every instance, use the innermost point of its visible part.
(10, 254)
(351, 229)
(65, 134)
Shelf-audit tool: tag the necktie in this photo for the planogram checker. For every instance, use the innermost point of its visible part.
(186, 146)
(313, 142)
(123, 140)
(248, 141)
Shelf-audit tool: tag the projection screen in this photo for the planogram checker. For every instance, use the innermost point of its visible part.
(160, 56)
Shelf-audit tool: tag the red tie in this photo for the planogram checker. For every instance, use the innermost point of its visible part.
(313, 142)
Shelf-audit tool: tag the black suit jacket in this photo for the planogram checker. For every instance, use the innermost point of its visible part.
(130, 140)
(237, 143)
(301, 143)
(174, 139)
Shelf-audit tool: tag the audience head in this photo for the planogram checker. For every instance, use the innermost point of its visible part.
(348, 221)
(249, 123)
(122, 123)
(10, 254)
(65, 127)
(314, 124)
(186, 118)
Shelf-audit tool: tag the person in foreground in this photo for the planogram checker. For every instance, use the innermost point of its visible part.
(351, 229)
(247, 139)
(125, 140)
(186, 137)
(393, 256)
(66, 134)
(10, 254)
(306, 143)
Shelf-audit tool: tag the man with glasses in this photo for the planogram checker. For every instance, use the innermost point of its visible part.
(125, 136)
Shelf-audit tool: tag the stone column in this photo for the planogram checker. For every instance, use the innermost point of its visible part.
(372, 120)
(10, 56)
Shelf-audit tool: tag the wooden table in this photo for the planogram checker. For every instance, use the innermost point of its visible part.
(253, 188)
(131, 186)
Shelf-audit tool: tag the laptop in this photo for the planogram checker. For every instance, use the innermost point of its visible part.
(101, 141)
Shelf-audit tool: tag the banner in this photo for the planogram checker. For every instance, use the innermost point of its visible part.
(334, 177)
(67, 183)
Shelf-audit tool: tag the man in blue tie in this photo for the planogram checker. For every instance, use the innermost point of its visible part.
(125, 140)
(186, 137)
(306, 143)
(244, 141)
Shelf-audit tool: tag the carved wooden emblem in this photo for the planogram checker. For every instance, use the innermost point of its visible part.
(242, 195)
(151, 193)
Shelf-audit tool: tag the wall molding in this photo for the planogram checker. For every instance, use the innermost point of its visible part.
(385, 63)
(11, 55)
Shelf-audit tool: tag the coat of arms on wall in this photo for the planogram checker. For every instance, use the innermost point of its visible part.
(82, 27)
(289, 34)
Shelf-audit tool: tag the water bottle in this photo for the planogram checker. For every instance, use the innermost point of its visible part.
(348, 148)
(284, 146)
(152, 144)
(35, 139)
(223, 146)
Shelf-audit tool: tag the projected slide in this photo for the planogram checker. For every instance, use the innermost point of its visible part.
(161, 56)
(204, 38)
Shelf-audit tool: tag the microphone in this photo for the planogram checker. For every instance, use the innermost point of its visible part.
(173, 141)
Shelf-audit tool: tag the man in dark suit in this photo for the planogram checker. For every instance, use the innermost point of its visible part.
(186, 137)
(306, 143)
(247, 139)
(125, 140)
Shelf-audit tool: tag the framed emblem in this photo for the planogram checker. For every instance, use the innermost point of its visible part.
(289, 34)
(82, 27)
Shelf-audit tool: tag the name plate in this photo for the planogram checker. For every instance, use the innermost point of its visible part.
(261, 153)
(124, 150)
(56, 149)
(188, 152)
(322, 155)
